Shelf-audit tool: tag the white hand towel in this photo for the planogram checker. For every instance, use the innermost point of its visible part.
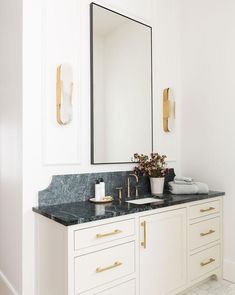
(183, 178)
(183, 182)
(185, 189)
(182, 189)
(202, 188)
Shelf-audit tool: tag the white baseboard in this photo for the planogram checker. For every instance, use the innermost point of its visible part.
(8, 285)
(229, 270)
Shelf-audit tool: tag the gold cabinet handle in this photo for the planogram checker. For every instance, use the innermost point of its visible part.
(101, 269)
(208, 262)
(207, 209)
(211, 231)
(144, 243)
(115, 232)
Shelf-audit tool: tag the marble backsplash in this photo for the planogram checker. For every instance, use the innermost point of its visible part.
(81, 187)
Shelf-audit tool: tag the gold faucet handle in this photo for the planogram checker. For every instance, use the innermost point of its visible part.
(136, 190)
(135, 176)
(119, 192)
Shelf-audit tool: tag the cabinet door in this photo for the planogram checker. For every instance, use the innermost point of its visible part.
(163, 252)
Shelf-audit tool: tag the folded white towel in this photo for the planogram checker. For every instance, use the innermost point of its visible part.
(185, 189)
(183, 178)
(183, 182)
(202, 188)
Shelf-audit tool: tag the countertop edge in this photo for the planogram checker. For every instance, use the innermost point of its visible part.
(179, 199)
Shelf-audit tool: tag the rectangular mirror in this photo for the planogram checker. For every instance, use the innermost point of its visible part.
(121, 87)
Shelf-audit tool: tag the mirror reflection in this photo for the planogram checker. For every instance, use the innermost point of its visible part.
(121, 86)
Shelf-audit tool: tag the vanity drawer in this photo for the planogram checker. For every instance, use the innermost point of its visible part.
(204, 262)
(124, 288)
(204, 209)
(104, 233)
(103, 266)
(204, 232)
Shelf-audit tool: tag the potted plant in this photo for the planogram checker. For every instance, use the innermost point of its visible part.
(154, 167)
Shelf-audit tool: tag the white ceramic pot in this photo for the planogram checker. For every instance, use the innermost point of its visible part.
(157, 185)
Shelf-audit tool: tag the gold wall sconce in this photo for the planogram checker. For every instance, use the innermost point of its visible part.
(64, 94)
(168, 109)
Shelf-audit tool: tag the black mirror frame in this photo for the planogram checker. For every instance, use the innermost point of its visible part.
(92, 81)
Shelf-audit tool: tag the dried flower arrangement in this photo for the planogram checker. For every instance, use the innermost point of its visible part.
(153, 166)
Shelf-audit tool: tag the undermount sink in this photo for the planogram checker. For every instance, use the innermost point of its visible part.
(145, 201)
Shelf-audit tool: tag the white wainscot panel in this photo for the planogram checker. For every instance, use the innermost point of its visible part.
(60, 45)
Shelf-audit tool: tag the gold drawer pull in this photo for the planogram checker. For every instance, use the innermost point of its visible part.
(144, 243)
(115, 232)
(116, 264)
(208, 262)
(211, 231)
(207, 209)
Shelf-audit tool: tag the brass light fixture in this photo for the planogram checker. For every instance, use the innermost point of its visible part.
(168, 109)
(64, 93)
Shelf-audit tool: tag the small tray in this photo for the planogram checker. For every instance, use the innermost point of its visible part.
(106, 199)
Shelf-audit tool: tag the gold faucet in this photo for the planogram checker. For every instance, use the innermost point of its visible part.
(119, 193)
(129, 186)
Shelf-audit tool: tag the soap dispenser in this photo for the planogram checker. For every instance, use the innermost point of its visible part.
(98, 196)
(102, 187)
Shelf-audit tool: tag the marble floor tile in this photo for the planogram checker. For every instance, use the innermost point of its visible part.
(213, 287)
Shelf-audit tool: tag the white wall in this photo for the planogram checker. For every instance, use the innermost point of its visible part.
(10, 145)
(208, 104)
(75, 49)
(52, 36)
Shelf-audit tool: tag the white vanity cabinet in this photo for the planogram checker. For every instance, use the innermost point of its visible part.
(162, 251)
(92, 258)
(205, 239)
